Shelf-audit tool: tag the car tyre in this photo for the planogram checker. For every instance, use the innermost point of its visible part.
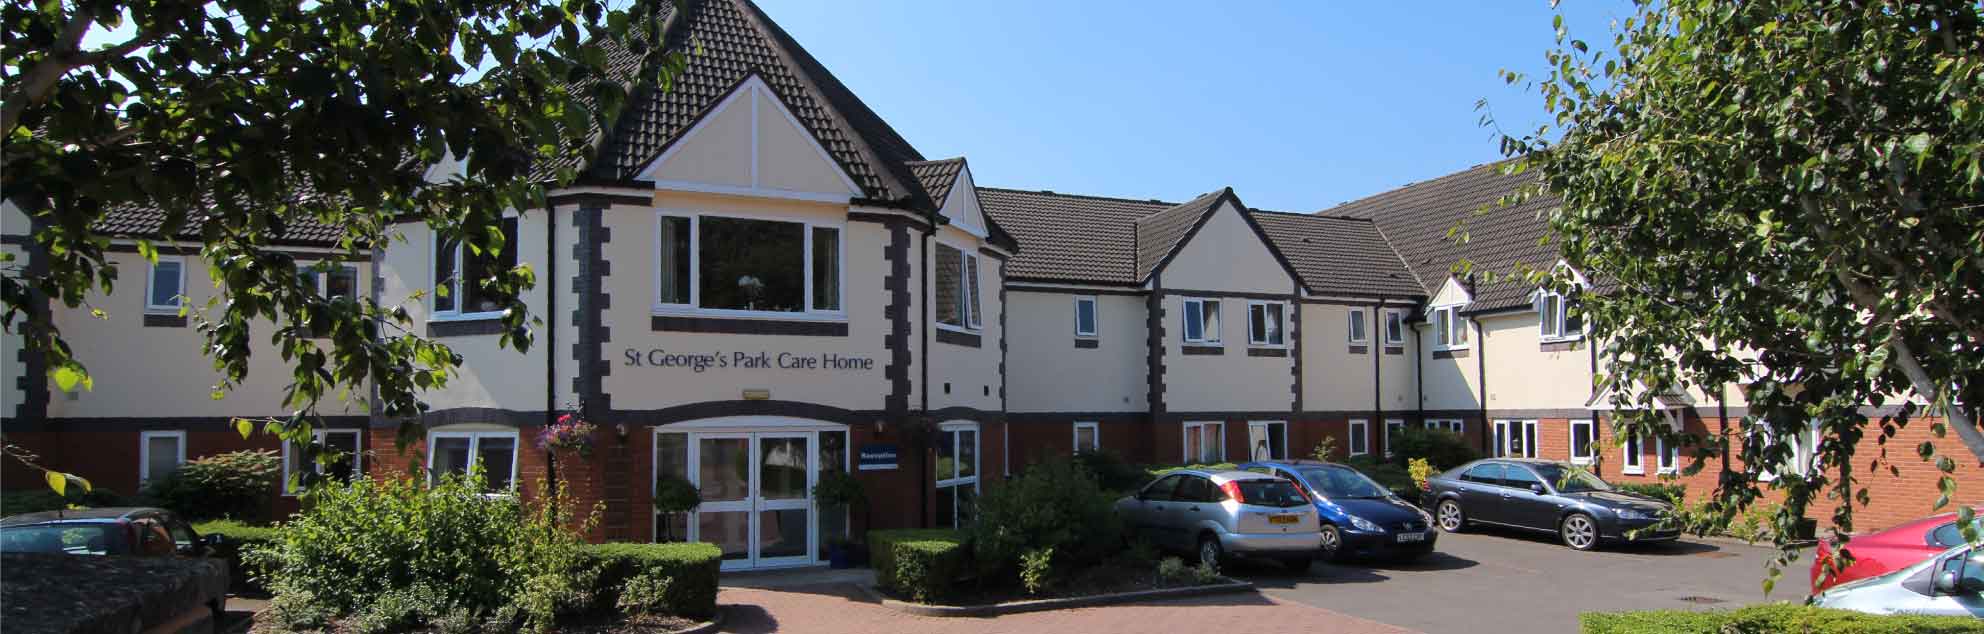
(1450, 517)
(1579, 531)
(1211, 553)
(1331, 547)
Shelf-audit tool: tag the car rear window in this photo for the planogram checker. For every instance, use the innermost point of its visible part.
(92, 539)
(1276, 492)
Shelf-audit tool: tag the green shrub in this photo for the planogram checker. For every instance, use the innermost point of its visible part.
(919, 564)
(370, 549)
(1670, 492)
(1112, 471)
(1037, 570)
(43, 499)
(238, 540)
(1052, 505)
(1392, 476)
(1776, 618)
(236, 484)
(689, 570)
(1443, 448)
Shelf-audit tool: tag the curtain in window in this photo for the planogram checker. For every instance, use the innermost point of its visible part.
(674, 259)
(826, 268)
(950, 287)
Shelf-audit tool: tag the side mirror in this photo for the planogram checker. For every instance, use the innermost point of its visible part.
(1536, 488)
(1946, 582)
(214, 540)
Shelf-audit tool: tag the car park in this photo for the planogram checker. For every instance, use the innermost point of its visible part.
(1356, 516)
(1542, 495)
(1882, 552)
(1949, 584)
(1225, 514)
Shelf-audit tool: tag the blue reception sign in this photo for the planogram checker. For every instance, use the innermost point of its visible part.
(878, 457)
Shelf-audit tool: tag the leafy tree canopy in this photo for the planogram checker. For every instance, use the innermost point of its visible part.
(1783, 196)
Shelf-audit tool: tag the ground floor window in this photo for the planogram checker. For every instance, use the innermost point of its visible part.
(1633, 463)
(1268, 440)
(159, 454)
(1205, 443)
(1392, 428)
(492, 452)
(957, 473)
(1088, 437)
(1360, 437)
(346, 464)
(1669, 456)
(1450, 424)
(1515, 439)
(1582, 439)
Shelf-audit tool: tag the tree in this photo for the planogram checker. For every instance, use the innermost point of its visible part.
(1783, 196)
(237, 119)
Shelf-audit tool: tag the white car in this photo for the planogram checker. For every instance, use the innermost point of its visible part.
(1949, 584)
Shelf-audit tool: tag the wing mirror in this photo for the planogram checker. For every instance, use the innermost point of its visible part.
(1946, 582)
(1536, 488)
(212, 541)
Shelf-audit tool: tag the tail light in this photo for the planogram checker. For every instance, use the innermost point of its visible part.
(1426, 485)
(1232, 489)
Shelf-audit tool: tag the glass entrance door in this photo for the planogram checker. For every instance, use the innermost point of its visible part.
(784, 531)
(757, 497)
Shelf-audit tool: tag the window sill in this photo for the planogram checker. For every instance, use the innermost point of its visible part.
(1450, 353)
(492, 324)
(958, 338)
(676, 310)
(482, 316)
(1637, 472)
(796, 326)
(163, 320)
(1203, 349)
(1087, 343)
(1559, 344)
(957, 329)
(1667, 472)
(1581, 462)
(1267, 352)
(1357, 348)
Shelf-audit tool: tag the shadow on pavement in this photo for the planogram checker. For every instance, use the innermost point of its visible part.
(1667, 548)
(1435, 560)
(747, 619)
(1272, 576)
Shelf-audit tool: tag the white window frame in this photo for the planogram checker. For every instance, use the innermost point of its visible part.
(455, 292)
(695, 281)
(322, 279)
(1667, 459)
(1450, 328)
(977, 464)
(1209, 334)
(1392, 427)
(475, 453)
(1219, 432)
(1261, 340)
(1094, 430)
(1506, 428)
(318, 436)
(1552, 328)
(1590, 445)
(1633, 455)
(151, 283)
(1270, 429)
(967, 268)
(1450, 424)
(1359, 428)
(1354, 324)
(1094, 314)
(1392, 314)
(145, 450)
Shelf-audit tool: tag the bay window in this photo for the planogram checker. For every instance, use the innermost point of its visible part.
(459, 274)
(1265, 323)
(723, 264)
(1202, 321)
(957, 288)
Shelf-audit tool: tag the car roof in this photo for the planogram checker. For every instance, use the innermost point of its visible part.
(80, 515)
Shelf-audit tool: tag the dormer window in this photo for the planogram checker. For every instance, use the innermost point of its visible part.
(957, 288)
(1556, 323)
(1449, 328)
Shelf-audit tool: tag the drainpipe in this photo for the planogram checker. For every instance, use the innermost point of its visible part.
(1377, 340)
(551, 334)
(923, 284)
(1481, 372)
(1419, 370)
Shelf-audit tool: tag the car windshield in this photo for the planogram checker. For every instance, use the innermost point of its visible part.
(1568, 480)
(1343, 484)
(1265, 492)
(91, 539)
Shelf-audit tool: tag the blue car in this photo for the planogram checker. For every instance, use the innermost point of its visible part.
(1359, 518)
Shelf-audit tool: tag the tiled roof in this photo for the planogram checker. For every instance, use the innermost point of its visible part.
(937, 177)
(1335, 255)
(1070, 238)
(135, 221)
(1416, 219)
(1158, 234)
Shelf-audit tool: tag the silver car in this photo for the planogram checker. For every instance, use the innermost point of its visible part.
(1949, 584)
(1225, 514)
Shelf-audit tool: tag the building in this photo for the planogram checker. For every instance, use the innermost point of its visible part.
(758, 281)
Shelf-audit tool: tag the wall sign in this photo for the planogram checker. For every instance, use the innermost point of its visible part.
(878, 457)
(699, 362)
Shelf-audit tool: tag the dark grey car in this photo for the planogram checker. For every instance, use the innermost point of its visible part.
(1548, 496)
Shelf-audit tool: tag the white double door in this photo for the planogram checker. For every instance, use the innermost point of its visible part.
(757, 496)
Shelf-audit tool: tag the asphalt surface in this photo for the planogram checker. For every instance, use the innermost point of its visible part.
(1490, 580)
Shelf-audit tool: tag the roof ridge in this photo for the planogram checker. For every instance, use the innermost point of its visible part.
(1045, 192)
(1313, 214)
(1417, 184)
(1400, 255)
(935, 161)
(1195, 199)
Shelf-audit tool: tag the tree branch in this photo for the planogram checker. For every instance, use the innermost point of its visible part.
(39, 82)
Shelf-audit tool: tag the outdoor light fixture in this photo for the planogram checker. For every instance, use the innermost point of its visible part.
(757, 394)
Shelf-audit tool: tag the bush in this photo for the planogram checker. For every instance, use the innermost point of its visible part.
(1772, 619)
(1112, 471)
(43, 499)
(1053, 506)
(1393, 477)
(380, 552)
(1672, 493)
(920, 564)
(1037, 570)
(238, 540)
(1443, 448)
(688, 570)
(236, 484)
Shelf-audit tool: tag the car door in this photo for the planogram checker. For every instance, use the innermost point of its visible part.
(1154, 509)
(1521, 505)
(1196, 497)
(1481, 492)
(184, 539)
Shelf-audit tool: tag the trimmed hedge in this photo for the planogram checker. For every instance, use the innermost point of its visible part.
(1774, 618)
(239, 539)
(43, 499)
(920, 564)
(691, 569)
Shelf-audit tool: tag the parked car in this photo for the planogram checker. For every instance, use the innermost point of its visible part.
(1357, 517)
(1542, 495)
(141, 531)
(1886, 551)
(1948, 584)
(1225, 514)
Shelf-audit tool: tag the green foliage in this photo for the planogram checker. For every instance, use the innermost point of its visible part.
(673, 494)
(423, 552)
(238, 543)
(1671, 492)
(1053, 506)
(236, 484)
(1387, 474)
(1037, 569)
(1444, 449)
(840, 489)
(36, 500)
(922, 565)
(1325, 450)
(679, 579)
(1112, 471)
(1173, 570)
(1419, 469)
(1774, 618)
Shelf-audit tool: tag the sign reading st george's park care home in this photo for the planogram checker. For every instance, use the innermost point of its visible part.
(700, 362)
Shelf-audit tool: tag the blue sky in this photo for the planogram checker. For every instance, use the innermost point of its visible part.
(1298, 105)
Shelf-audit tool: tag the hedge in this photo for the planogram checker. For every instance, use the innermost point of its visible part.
(43, 499)
(1785, 618)
(238, 539)
(920, 564)
(691, 569)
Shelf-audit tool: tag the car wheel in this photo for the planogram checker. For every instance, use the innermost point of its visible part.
(1451, 518)
(1579, 531)
(1332, 544)
(1210, 552)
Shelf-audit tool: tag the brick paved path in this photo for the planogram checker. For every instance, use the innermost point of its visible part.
(838, 608)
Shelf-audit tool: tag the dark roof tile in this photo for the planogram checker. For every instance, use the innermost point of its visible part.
(1335, 255)
(1158, 234)
(1070, 238)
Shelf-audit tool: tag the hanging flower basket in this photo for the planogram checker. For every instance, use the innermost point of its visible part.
(570, 433)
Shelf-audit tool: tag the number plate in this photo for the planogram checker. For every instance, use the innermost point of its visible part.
(1283, 519)
(1411, 537)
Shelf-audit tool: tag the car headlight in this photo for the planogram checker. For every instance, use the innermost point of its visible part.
(1634, 514)
(1362, 524)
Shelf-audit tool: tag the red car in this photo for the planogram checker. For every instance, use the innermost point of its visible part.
(1879, 553)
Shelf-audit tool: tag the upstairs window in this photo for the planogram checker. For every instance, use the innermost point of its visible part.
(1264, 324)
(339, 282)
(1449, 328)
(746, 265)
(459, 273)
(1394, 328)
(1202, 321)
(166, 287)
(1356, 329)
(957, 288)
(1085, 316)
(1555, 320)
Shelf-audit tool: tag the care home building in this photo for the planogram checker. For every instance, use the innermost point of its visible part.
(758, 282)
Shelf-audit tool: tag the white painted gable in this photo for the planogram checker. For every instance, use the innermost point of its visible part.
(750, 144)
(961, 208)
(1227, 255)
(1452, 293)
